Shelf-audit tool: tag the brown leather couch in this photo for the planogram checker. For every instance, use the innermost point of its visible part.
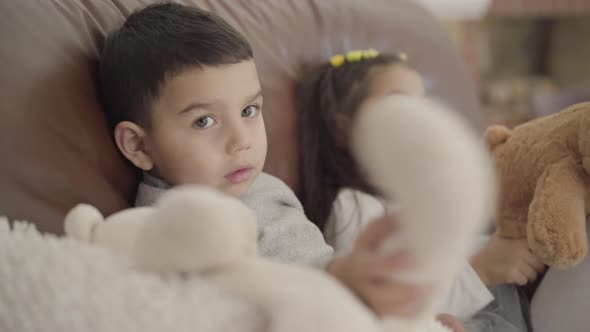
(55, 147)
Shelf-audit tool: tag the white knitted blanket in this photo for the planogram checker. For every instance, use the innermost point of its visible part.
(49, 283)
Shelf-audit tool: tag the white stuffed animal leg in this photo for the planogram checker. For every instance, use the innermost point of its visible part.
(426, 158)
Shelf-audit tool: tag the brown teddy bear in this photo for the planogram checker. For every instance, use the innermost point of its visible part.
(544, 172)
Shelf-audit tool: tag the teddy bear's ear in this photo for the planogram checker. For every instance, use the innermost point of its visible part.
(80, 222)
(496, 135)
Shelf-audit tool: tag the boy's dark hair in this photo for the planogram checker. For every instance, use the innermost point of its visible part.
(329, 98)
(154, 44)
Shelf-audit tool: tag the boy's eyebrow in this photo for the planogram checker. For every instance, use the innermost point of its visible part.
(254, 96)
(198, 105)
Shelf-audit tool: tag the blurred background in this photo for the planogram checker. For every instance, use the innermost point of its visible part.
(527, 58)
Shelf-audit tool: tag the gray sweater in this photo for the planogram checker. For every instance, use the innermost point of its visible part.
(284, 232)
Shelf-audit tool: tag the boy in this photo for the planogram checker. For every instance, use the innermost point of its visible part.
(180, 88)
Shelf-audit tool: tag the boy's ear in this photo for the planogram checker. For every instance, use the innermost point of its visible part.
(131, 141)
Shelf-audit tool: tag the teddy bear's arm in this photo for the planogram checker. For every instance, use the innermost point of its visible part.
(556, 219)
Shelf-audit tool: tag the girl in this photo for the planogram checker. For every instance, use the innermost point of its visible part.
(338, 199)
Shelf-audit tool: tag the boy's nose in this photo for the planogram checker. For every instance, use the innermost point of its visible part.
(239, 139)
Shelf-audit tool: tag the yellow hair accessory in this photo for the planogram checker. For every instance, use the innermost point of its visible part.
(353, 56)
(337, 60)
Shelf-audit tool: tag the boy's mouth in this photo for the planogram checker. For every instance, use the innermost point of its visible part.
(240, 175)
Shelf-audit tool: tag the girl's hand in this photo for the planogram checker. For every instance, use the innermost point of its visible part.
(368, 274)
(451, 322)
(505, 260)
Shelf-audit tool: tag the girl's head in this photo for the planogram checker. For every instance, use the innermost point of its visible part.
(329, 96)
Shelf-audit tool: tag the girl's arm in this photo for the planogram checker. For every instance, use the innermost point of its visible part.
(351, 212)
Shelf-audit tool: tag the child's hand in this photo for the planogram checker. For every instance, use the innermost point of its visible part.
(505, 260)
(451, 322)
(368, 274)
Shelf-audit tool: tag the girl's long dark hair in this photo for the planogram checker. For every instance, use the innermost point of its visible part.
(328, 100)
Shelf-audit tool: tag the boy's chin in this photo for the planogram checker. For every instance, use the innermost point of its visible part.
(238, 189)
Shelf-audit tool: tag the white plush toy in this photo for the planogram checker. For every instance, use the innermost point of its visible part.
(199, 231)
(413, 149)
(423, 156)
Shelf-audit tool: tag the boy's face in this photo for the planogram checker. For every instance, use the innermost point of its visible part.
(207, 128)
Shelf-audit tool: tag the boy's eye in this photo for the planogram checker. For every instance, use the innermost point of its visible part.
(250, 111)
(204, 122)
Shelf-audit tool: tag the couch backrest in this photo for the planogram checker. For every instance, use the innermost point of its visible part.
(55, 146)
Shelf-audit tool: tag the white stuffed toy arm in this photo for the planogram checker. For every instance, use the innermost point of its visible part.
(424, 157)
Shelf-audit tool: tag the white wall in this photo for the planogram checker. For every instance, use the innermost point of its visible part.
(457, 9)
